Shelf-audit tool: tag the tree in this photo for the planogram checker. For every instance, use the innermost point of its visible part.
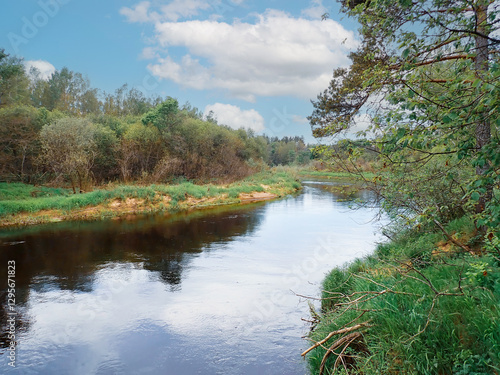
(38, 88)
(19, 144)
(140, 150)
(67, 91)
(429, 69)
(163, 115)
(427, 73)
(13, 81)
(105, 164)
(69, 150)
(89, 102)
(135, 103)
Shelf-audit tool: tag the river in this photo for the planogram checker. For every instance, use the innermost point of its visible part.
(210, 292)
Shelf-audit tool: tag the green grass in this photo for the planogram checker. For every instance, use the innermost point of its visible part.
(19, 191)
(415, 329)
(16, 198)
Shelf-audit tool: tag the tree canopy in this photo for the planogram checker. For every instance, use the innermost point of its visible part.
(60, 129)
(427, 72)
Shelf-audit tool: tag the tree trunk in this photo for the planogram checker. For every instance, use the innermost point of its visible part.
(483, 128)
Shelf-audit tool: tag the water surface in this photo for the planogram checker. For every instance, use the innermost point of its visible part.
(211, 292)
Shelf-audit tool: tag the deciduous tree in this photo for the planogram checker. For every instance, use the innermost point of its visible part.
(429, 72)
(69, 150)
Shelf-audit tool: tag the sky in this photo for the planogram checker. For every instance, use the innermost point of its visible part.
(255, 64)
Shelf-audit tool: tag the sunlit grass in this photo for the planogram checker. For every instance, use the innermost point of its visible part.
(16, 198)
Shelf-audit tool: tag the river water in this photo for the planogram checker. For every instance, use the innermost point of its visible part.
(212, 292)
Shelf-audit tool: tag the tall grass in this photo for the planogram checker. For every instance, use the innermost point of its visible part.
(18, 191)
(16, 198)
(431, 309)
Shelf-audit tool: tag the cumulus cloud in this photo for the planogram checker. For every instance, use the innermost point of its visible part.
(44, 68)
(274, 55)
(139, 13)
(235, 117)
(277, 55)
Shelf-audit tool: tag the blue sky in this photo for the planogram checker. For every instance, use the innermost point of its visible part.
(256, 64)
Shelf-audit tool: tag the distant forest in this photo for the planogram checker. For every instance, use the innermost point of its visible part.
(64, 131)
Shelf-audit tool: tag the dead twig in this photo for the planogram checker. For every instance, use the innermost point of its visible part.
(338, 332)
(346, 341)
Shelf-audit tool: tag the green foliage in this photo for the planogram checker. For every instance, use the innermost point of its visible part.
(68, 148)
(116, 124)
(163, 115)
(19, 143)
(66, 91)
(431, 309)
(13, 81)
(106, 144)
(333, 175)
(16, 197)
(127, 136)
(432, 93)
(289, 151)
(19, 191)
(200, 149)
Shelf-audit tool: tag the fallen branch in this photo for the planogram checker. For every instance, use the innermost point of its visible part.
(338, 332)
(450, 237)
(347, 340)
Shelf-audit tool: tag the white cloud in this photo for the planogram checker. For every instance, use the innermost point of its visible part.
(278, 55)
(149, 53)
(140, 13)
(183, 8)
(235, 117)
(44, 67)
(172, 11)
(361, 123)
(316, 10)
(300, 119)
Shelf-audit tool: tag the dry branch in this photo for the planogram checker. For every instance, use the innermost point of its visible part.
(338, 332)
(347, 340)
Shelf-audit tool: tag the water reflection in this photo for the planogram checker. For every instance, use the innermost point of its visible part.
(200, 293)
(69, 256)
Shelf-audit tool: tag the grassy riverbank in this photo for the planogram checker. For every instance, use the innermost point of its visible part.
(419, 305)
(22, 204)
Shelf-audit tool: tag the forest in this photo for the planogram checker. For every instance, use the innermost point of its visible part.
(64, 132)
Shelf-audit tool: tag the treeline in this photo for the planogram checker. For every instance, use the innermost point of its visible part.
(63, 130)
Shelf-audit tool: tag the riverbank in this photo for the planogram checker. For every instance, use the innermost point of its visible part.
(419, 304)
(22, 205)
